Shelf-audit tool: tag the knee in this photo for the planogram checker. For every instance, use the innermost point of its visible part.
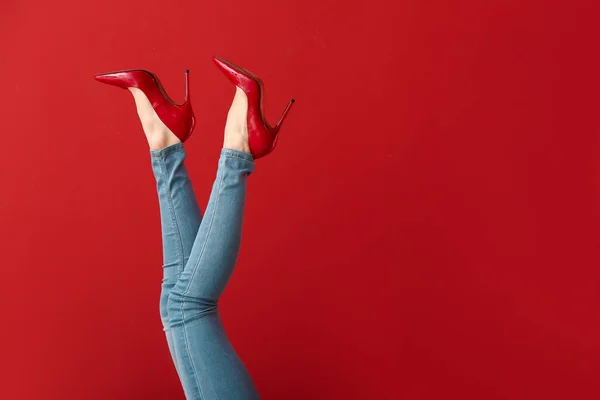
(163, 306)
(182, 308)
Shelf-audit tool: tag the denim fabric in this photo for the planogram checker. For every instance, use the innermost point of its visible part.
(199, 256)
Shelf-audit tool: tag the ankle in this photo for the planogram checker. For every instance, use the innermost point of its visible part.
(158, 143)
(157, 134)
(236, 142)
(236, 127)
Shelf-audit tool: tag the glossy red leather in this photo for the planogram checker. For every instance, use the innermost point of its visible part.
(179, 118)
(262, 138)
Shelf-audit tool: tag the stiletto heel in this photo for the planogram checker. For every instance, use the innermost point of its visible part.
(285, 113)
(179, 118)
(262, 138)
(187, 87)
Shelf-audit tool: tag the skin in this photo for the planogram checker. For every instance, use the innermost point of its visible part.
(159, 136)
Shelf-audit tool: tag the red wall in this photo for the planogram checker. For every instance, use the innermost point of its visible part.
(427, 228)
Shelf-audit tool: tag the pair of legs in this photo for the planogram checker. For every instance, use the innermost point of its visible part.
(200, 253)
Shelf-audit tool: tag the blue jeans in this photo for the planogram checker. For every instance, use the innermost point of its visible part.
(199, 256)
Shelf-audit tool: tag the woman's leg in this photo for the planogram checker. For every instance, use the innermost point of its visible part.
(179, 212)
(209, 367)
(180, 220)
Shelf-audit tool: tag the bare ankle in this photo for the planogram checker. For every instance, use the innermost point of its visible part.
(158, 143)
(236, 127)
(157, 133)
(236, 143)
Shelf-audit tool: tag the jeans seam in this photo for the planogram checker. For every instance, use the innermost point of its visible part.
(162, 162)
(234, 155)
(196, 317)
(173, 217)
(187, 289)
(164, 152)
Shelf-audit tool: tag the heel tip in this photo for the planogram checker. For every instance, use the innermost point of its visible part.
(293, 101)
(187, 71)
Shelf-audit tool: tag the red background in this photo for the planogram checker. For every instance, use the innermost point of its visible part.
(427, 228)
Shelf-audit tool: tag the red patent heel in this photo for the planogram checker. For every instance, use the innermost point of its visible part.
(179, 118)
(262, 138)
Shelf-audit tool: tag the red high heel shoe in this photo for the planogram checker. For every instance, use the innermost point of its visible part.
(262, 138)
(179, 118)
